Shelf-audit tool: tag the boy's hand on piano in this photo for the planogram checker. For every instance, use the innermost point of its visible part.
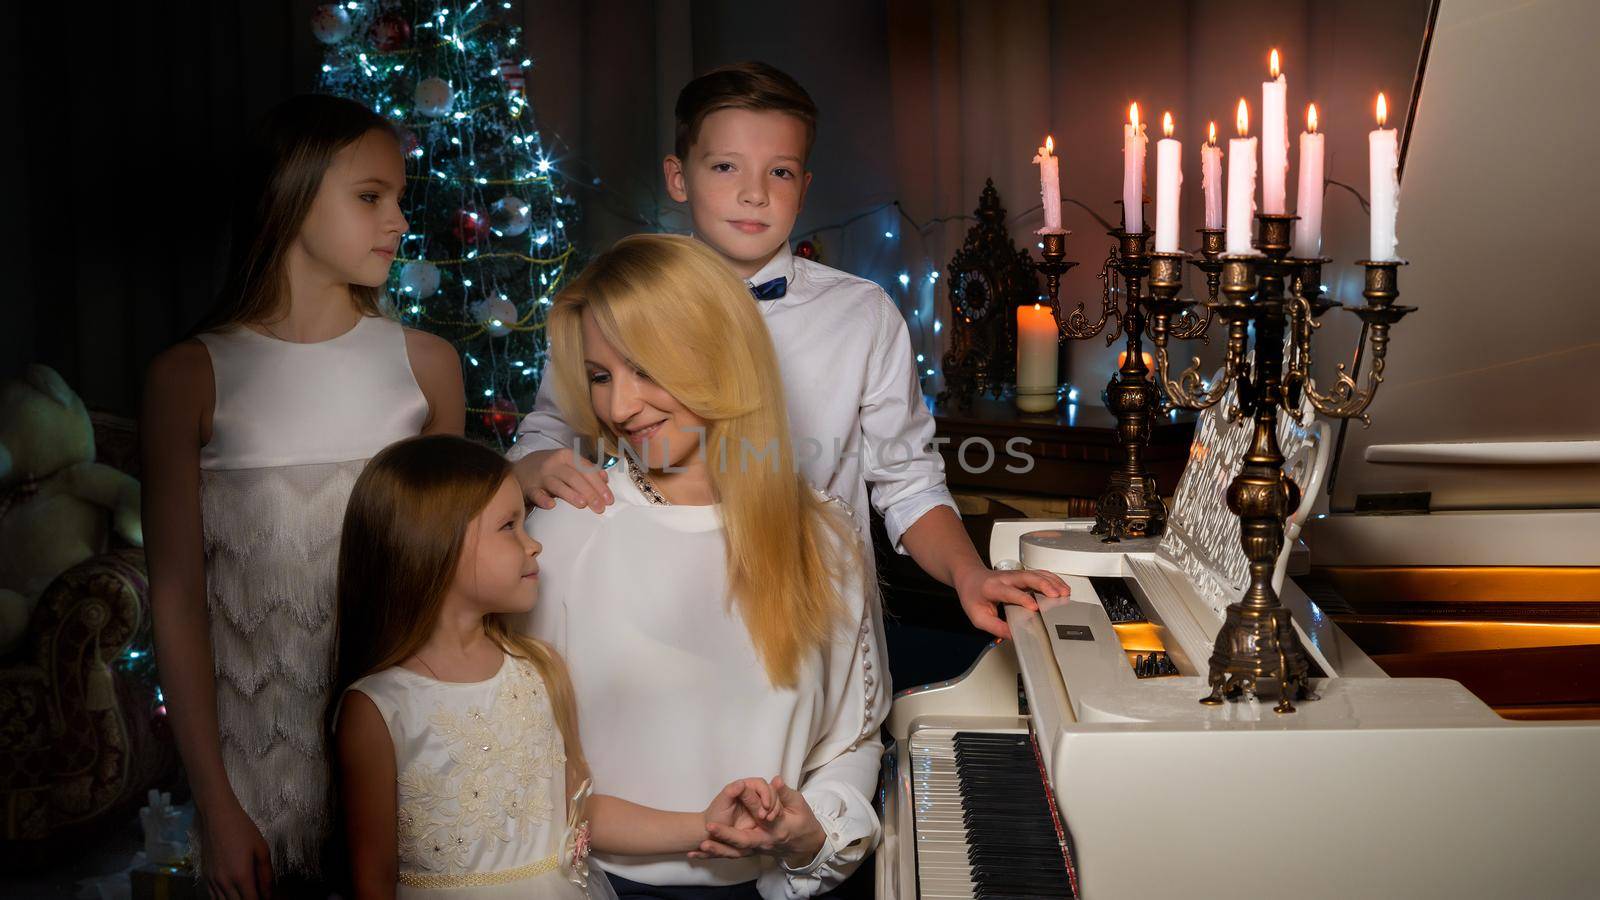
(546, 475)
(982, 591)
(789, 830)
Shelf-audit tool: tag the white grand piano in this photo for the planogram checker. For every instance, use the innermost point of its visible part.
(1075, 760)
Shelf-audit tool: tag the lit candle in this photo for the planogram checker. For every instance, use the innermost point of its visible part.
(1133, 141)
(1169, 178)
(1211, 178)
(1384, 163)
(1274, 141)
(1308, 201)
(1049, 185)
(1036, 358)
(1241, 185)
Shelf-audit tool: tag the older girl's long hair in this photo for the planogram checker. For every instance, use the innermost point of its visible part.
(673, 308)
(281, 170)
(403, 532)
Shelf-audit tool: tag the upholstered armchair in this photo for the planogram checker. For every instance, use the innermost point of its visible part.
(83, 731)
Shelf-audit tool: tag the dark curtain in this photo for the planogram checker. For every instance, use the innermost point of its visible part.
(126, 117)
(116, 171)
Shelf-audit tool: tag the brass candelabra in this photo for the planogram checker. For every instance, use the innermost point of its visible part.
(1130, 506)
(1281, 297)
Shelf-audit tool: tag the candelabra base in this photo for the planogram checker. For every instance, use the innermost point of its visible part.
(1259, 644)
(1129, 508)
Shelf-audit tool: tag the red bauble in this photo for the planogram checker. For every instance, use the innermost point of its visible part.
(409, 141)
(807, 250)
(390, 32)
(502, 417)
(471, 225)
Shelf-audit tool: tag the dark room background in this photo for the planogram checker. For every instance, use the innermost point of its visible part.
(117, 156)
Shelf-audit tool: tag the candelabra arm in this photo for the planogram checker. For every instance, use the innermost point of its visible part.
(1348, 399)
(1190, 390)
(1075, 325)
(1187, 325)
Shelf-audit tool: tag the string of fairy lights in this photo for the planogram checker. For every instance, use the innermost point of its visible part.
(489, 205)
(488, 211)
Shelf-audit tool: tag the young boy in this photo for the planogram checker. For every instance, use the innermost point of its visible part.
(744, 133)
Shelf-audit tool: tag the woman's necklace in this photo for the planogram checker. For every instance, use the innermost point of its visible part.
(643, 484)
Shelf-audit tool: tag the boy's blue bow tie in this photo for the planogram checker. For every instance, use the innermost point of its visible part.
(771, 290)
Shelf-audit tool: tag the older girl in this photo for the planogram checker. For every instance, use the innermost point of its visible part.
(254, 431)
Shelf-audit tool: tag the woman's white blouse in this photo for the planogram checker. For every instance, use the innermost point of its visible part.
(673, 701)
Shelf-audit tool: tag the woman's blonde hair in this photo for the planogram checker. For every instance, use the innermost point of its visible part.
(404, 529)
(674, 309)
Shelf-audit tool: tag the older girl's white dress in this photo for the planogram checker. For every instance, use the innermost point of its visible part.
(292, 427)
(481, 773)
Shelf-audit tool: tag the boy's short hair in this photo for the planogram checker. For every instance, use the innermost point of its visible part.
(746, 85)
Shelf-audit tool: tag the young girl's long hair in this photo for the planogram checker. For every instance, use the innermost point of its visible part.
(281, 169)
(403, 532)
(672, 307)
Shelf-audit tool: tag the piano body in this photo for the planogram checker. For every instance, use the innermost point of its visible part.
(1075, 760)
(1401, 787)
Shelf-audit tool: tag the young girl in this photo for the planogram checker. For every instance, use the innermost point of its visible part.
(720, 603)
(254, 431)
(457, 740)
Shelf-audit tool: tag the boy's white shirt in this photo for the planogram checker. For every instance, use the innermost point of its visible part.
(850, 383)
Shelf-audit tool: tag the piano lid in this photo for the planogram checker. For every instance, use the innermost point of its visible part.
(1490, 399)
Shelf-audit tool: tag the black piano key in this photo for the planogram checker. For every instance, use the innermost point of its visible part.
(1013, 844)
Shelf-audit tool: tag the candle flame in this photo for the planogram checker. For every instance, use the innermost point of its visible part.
(1243, 119)
(1383, 110)
(1166, 124)
(1037, 307)
(1274, 66)
(1133, 115)
(1049, 145)
(1212, 134)
(1311, 118)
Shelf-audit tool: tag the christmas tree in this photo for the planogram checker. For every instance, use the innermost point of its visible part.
(487, 246)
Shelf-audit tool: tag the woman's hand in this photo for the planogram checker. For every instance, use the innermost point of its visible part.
(546, 475)
(235, 858)
(791, 831)
(742, 805)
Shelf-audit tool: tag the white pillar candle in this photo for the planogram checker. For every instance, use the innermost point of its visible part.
(1308, 199)
(1036, 358)
(1241, 186)
(1169, 178)
(1384, 163)
(1049, 185)
(1133, 143)
(1211, 178)
(1274, 141)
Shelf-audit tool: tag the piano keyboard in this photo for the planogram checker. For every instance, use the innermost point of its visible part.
(986, 826)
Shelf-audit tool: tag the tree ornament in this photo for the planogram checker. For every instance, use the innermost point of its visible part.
(390, 32)
(434, 97)
(330, 23)
(510, 216)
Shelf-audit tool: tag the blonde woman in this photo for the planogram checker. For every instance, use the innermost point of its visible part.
(716, 618)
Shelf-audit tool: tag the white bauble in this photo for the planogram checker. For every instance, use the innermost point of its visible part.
(433, 97)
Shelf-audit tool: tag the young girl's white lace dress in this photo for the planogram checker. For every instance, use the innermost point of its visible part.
(483, 806)
(292, 427)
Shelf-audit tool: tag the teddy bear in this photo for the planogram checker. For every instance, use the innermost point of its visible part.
(57, 505)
